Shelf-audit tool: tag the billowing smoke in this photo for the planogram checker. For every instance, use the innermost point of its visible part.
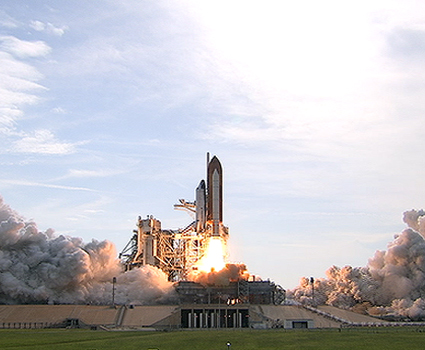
(230, 273)
(391, 285)
(39, 267)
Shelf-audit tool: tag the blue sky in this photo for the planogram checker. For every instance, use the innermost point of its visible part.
(314, 109)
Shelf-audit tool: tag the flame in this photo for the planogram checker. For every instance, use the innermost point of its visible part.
(214, 258)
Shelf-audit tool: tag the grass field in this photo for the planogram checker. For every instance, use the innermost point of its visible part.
(363, 339)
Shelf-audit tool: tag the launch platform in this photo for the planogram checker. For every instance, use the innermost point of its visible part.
(179, 252)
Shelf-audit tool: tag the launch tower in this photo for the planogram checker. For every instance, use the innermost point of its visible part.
(177, 251)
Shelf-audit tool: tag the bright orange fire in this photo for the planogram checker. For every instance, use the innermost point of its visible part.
(214, 258)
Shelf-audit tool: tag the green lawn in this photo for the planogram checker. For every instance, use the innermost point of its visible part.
(363, 339)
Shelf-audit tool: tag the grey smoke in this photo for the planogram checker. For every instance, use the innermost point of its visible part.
(392, 283)
(40, 267)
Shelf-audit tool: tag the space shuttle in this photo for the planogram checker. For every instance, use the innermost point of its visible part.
(172, 249)
(209, 201)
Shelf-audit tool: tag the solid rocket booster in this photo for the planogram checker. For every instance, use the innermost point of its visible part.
(201, 206)
(215, 195)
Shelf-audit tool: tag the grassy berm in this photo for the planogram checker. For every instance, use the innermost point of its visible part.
(363, 339)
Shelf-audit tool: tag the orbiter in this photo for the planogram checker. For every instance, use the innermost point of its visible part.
(209, 201)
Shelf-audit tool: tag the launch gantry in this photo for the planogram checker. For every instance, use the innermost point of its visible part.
(177, 251)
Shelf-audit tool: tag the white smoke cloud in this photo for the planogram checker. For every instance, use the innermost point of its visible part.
(392, 283)
(39, 267)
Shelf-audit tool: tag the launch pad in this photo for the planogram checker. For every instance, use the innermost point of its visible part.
(198, 250)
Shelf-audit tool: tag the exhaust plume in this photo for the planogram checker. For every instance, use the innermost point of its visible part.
(391, 285)
(39, 267)
(223, 277)
(214, 270)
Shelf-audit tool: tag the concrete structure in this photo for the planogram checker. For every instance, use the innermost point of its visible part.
(239, 292)
(180, 316)
(44, 316)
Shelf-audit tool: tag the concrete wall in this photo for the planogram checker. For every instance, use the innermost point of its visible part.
(147, 316)
(55, 314)
(169, 316)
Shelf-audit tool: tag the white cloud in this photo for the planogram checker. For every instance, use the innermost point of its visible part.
(319, 72)
(16, 68)
(8, 115)
(243, 132)
(18, 88)
(38, 26)
(48, 28)
(39, 184)
(7, 21)
(22, 48)
(78, 173)
(58, 110)
(42, 142)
